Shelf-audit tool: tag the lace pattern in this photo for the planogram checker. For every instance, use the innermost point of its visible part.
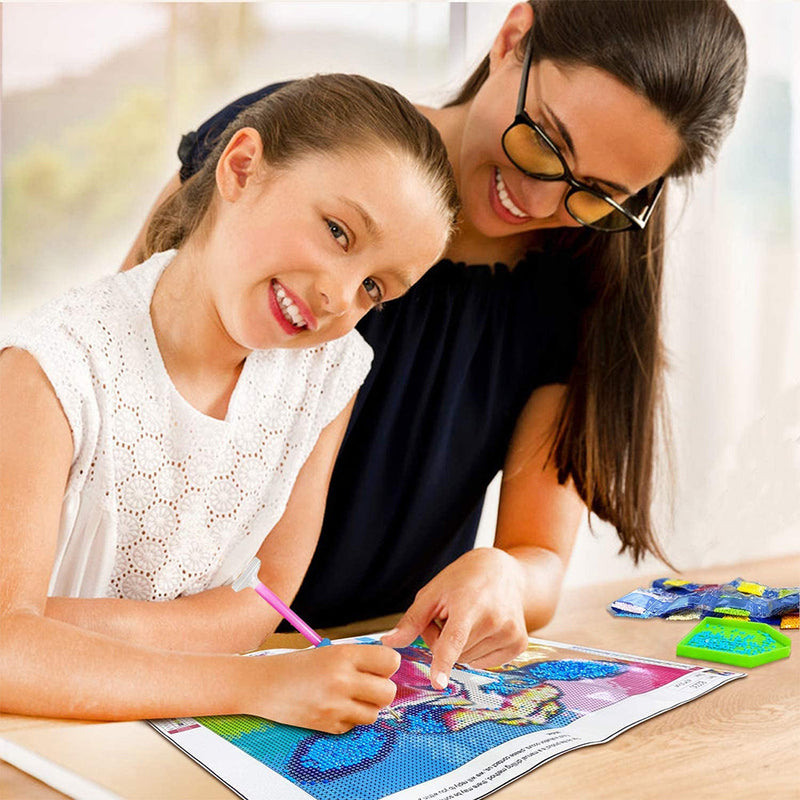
(162, 500)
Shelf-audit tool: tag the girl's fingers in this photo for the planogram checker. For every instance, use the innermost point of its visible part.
(374, 691)
(374, 659)
(362, 713)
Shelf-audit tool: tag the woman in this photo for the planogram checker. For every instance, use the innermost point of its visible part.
(534, 347)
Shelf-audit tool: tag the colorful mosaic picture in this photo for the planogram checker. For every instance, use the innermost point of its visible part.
(430, 734)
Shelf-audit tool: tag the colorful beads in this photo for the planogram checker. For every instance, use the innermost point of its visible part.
(735, 641)
(716, 637)
(746, 587)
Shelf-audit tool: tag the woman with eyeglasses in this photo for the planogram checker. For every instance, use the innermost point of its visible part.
(535, 346)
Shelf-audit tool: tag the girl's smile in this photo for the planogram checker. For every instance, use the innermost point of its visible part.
(291, 313)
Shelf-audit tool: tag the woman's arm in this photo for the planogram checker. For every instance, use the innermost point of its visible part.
(136, 253)
(480, 608)
(222, 620)
(49, 667)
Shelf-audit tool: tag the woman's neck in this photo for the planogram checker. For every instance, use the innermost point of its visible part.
(469, 244)
(201, 359)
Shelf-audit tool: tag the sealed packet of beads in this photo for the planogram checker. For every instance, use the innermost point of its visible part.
(485, 729)
(672, 598)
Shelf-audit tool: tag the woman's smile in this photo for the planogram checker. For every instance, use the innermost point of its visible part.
(499, 195)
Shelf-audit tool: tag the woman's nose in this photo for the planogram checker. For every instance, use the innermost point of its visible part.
(544, 198)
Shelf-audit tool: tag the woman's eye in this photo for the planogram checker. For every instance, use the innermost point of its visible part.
(373, 290)
(338, 233)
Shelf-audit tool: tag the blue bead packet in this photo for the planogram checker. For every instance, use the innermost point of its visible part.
(672, 598)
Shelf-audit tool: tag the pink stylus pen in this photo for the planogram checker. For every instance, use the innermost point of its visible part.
(249, 577)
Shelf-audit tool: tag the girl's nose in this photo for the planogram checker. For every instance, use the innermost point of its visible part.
(334, 299)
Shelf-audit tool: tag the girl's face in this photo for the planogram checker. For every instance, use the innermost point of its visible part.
(610, 137)
(297, 256)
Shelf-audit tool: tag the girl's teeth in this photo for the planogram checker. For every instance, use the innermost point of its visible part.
(289, 309)
(505, 200)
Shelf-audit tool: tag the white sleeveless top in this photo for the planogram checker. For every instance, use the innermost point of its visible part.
(163, 500)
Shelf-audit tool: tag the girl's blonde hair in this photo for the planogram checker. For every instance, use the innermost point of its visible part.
(322, 114)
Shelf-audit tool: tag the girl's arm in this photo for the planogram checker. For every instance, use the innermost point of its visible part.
(491, 597)
(222, 620)
(49, 667)
(136, 252)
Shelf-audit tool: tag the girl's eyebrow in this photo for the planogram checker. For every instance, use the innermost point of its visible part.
(562, 129)
(369, 223)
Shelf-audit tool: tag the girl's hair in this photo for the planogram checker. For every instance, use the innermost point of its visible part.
(319, 115)
(688, 58)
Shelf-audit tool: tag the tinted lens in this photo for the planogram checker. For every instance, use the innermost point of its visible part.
(530, 152)
(592, 210)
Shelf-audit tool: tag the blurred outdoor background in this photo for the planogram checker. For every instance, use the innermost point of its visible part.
(95, 97)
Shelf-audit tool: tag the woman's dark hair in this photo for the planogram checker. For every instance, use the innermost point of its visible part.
(688, 58)
(323, 114)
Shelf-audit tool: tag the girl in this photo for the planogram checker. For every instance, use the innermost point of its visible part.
(534, 347)
(158, 425)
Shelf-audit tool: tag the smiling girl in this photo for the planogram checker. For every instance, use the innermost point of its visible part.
(165, 425)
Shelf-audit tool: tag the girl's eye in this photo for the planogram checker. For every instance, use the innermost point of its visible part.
(338, 233)
(373, 290)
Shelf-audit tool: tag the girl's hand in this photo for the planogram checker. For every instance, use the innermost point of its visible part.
(473, 611)
(329, 689)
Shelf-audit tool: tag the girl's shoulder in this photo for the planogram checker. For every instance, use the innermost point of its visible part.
(101, 309)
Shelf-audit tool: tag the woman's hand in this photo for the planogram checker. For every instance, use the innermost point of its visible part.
(330, 689)
(480, 608)
(473, 611)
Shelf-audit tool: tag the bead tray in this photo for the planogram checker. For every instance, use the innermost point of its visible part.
(734, 641)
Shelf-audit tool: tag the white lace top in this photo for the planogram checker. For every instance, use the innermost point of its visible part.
(163, 500)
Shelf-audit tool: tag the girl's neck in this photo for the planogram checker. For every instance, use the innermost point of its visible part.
(202, 361)
(469, 244)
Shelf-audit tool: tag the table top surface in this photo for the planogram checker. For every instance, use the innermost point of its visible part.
(743, 737)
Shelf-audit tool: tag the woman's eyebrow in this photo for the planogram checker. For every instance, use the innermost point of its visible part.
(562, 129)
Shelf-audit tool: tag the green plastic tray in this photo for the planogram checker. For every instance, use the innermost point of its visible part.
(765, 643)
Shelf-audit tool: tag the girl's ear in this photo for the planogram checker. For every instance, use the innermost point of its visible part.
(518, 22)
(239, 163)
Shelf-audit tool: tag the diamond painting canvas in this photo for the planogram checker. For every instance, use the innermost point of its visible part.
(485, 729)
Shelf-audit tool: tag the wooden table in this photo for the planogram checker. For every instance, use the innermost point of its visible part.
(742, 740)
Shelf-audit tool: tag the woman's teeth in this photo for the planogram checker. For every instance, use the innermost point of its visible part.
(505, 200)
(289, 309)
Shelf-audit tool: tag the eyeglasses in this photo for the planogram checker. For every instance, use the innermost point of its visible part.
(532, 151)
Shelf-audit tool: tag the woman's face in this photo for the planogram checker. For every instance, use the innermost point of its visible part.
(609, 136)
(299, 255)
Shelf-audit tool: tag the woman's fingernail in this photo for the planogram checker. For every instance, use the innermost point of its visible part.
(392, 632)
(440, 681)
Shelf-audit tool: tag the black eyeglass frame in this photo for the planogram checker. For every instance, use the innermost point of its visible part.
(522, 118)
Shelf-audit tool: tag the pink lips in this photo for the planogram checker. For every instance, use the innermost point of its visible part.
(305, 311)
